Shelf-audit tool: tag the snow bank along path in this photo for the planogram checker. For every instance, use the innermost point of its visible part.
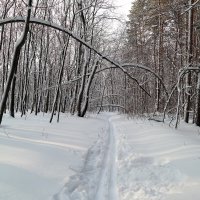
(103, 157)
(156, 162)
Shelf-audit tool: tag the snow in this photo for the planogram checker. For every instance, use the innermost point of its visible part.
(101, 157)
(37, 158)
(161, 163)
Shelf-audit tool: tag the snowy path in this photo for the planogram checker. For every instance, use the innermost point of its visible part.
(98, 178)
(107, 186)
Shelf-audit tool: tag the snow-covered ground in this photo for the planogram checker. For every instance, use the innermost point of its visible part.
(157, 162)
(101, 157)
(37, 158)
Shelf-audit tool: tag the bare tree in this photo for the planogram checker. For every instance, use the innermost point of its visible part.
(19, 44)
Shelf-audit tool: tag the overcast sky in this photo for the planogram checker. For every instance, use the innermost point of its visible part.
(125, 6)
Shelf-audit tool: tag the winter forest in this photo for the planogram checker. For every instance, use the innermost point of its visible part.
(95, 106)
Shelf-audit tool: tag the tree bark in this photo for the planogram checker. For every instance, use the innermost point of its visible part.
(19, 44)
(190, 59)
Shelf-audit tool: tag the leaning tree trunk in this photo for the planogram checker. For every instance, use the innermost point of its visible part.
(12, 99)
(82, 87)
(18, 46)
(85, 105)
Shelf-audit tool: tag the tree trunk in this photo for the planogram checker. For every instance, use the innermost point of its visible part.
(190, 58)
(19, 44)
(12, 98)
(85, 105)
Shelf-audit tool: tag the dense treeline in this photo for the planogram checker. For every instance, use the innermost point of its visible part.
(163, 35)
(65, 59)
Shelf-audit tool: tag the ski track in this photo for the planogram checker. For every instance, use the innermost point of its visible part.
(107, 186)
(98, 178)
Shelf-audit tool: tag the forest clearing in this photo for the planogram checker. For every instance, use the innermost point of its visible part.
(99, 99)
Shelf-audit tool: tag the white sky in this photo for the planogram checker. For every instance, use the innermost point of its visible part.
(125, 6)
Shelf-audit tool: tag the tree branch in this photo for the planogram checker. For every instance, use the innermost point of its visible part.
(67, 31)
(190, 7)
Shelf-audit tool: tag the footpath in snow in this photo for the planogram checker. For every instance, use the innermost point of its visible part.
(97, 180)
(102, 157)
